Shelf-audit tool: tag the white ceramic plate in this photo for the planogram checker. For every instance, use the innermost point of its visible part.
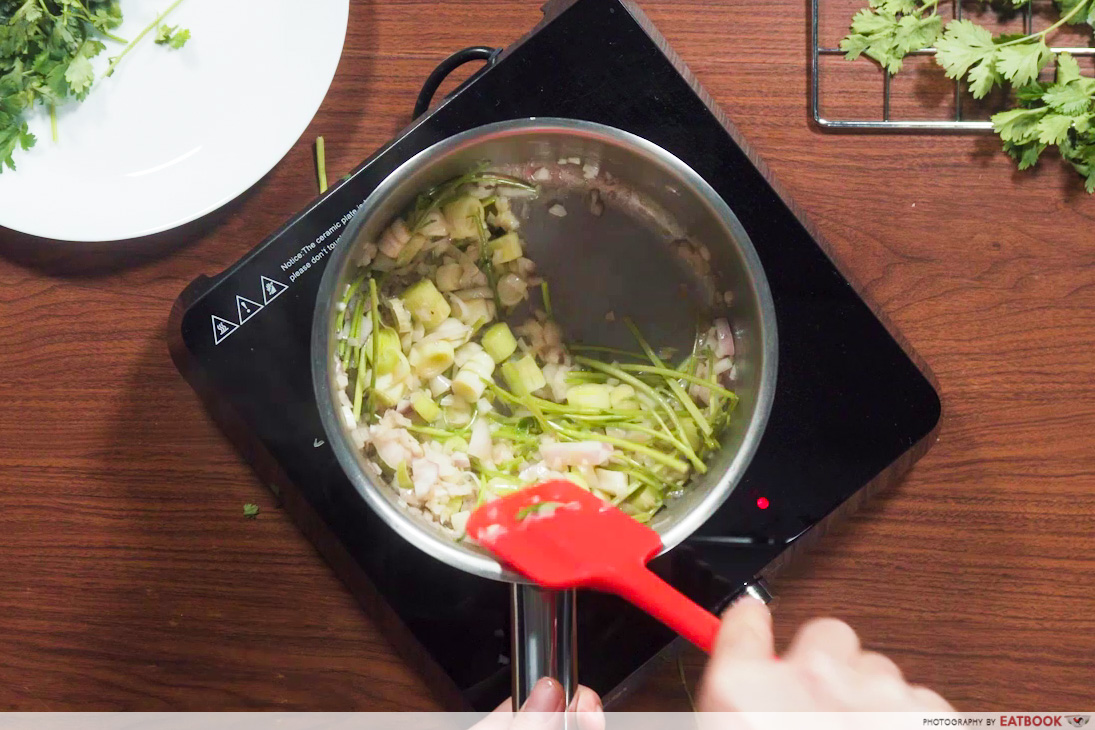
(175, 134)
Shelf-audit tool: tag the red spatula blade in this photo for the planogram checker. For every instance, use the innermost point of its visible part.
(561, 536)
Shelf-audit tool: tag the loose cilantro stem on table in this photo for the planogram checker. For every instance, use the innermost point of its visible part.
(1060, 114)
(321, 165)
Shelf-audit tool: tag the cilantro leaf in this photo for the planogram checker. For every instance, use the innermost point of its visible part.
(1018, 125)
(1024, 154)
(1053, 128)
(964, 44)
(1071, 98)
(1022, 62)
(889, 30)
(172, 35)
(250, 510)
(1068, 68)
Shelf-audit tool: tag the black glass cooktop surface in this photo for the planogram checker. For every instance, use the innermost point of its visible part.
(849, 402)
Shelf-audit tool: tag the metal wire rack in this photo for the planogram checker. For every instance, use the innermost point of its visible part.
(886, 124)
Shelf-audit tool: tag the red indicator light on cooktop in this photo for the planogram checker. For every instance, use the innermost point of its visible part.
(762, 502)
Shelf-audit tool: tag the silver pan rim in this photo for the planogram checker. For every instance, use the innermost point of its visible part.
(402, 521)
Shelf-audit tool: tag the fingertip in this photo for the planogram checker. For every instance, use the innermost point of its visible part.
(746, 631)
(588, 708)
(828, 636)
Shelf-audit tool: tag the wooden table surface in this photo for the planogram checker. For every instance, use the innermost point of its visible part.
(130, 579)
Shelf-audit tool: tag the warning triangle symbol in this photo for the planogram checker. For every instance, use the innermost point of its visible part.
(271, 289)
(246, 308)
(222, 328)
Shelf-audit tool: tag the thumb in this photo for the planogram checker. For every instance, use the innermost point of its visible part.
(745, 633)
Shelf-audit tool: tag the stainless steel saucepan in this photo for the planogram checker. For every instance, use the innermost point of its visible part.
(628, 249)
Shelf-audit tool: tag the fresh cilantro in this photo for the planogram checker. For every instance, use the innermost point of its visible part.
(250, 511)
(46, 52)
(889, 30)
(172, 35)
(1059, 114)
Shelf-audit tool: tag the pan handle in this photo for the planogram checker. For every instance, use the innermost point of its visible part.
(544, 640)
(446, 67)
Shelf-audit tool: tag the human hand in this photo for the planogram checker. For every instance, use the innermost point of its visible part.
(824, 670)
(543, 710)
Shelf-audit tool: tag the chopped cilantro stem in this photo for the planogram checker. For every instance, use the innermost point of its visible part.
(670, 373)
(546, 295)
(674, 386)
(654, 454)
(53, 120)
(374, 312)
(129, 46)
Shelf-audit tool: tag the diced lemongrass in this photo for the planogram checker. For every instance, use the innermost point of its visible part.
(578, 478)
(448, 276)
(432, 358)
(458, 413)
(459, 521)
(439, 386)
(388, 351)
(410, 250)
(455, 443)
(403, 476)
(499, 341)
(474, 312)
(589, 395)
(388, 390)
(425, 407)
(468, 385)
(623, 396)
(462, 215)
(645, 500)
(401, 315)
(505, 249)
(612, 481)
(426, 304)
(523, 375)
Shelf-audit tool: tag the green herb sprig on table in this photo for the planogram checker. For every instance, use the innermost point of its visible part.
(46, 47)
(1058, 114)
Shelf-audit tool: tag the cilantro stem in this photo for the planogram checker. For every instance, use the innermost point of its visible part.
(658, 456)
(669, 373)
(321, 165)
(546, 295)
(374, 312)
(129, 46)
(53, 120)
(607, 350)
(1046, 31)
(674, 386)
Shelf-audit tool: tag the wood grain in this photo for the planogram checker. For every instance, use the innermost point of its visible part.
(131, 580)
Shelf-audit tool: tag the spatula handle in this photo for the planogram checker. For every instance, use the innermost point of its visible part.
(665, 603)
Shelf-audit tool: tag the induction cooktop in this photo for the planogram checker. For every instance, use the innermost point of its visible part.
(852, 408)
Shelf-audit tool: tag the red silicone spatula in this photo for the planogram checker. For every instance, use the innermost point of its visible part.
(561, 536)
